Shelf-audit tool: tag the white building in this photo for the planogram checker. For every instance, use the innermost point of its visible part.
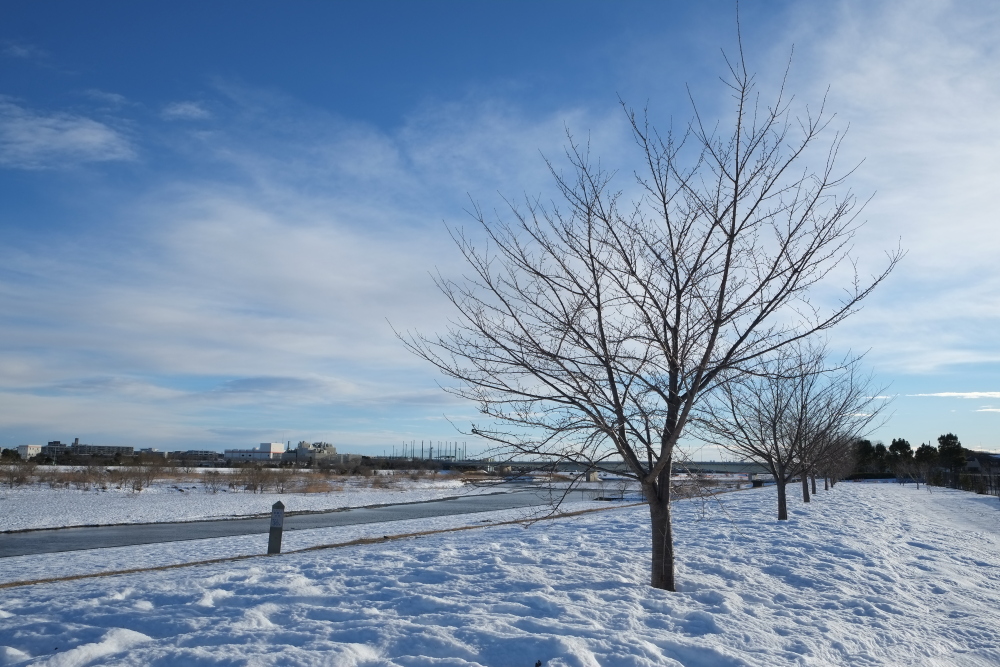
(268, 451)
(28, 451)
(308, 453)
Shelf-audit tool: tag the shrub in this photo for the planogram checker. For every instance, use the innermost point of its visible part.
(16, 473)
(212, 480)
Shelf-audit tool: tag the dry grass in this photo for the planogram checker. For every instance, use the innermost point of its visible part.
(314, 484)
(382, 482)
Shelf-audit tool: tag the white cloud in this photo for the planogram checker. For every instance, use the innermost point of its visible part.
(123, 387)
(23, 51)
(185, 111)
(111, 100)
(272, 280)
(963, 394)
(30, 140)
(916, 82)
(261, 296)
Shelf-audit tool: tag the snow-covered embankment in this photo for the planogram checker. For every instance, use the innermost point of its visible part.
(868, 574)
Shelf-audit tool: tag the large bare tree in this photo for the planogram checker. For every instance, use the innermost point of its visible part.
(587, 330)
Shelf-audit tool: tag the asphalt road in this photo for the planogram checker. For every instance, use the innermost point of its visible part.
(99, 537)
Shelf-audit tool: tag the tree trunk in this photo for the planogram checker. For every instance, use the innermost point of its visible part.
(782, 502)
(658, 497)
(813, 478)
(805, 487)
(826, 483)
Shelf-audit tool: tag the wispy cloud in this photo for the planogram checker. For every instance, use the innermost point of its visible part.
(23, 51)
(31, 140)
(268, 385)
(242, 433)
(262, 273)
(107, 99)
(185, 111)
(963, 394)
(260, 294)
(123, 387)
(916, 83)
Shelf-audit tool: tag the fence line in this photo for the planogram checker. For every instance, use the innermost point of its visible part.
(987, 483)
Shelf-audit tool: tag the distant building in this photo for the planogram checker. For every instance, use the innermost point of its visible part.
(28, 451)
(55, 449)
(152, 453)
(268, 451)
(976, 461)
(309, 453)
(196, 456)
(101, 450)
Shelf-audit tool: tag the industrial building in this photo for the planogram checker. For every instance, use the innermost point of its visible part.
(267, 451)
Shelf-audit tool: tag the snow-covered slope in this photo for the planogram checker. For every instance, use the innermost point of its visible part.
(868, 574)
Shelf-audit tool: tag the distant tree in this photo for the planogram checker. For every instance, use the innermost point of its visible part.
(951, 455)
(864, 455)
(880, 458)
(9, 455)
(926, 460)
(15, 473)
(900, 450)
(926, 453)
(212, 480)
(900, 459)
(839, 461)
(791, 416)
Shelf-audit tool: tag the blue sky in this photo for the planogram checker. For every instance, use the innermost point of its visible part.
(209, 211)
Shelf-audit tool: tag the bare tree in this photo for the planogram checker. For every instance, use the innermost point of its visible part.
(16, 473)
(212, 480)
(839, 460)
(835, 459)
(589, 330)
(793, 415)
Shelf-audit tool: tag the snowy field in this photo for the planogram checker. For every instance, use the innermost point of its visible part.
(867, 574)
(38, 506)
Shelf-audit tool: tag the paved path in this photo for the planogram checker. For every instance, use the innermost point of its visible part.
(99, 537)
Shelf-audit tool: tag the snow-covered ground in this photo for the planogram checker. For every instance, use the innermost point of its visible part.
(116, 559)
(867, 574)
(39, 506)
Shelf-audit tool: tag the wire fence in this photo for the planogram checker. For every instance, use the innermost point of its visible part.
(983, 483)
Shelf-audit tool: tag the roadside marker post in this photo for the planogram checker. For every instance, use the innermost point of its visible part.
(277, 521)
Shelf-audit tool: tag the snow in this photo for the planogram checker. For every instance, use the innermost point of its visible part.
(114, 641)
(36, 506)
(866, 574)
(31, 568)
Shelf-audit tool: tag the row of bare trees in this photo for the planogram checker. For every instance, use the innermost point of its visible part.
(133, 478)
(796, 414)
(596, 329)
